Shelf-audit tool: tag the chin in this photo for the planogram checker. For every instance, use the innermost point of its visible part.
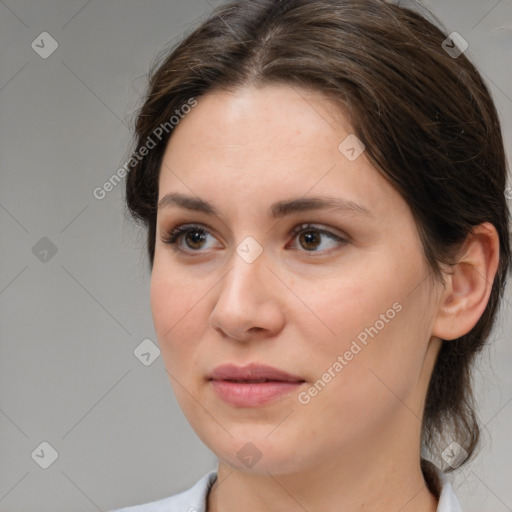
(254, 453)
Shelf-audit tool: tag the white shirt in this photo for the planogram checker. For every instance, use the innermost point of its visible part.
(194, 499)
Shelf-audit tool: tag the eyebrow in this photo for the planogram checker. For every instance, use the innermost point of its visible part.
(277, 210)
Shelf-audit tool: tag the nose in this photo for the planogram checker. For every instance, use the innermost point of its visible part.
(249, 302)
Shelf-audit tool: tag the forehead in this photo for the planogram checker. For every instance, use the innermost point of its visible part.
(278, 116)
(268, 143)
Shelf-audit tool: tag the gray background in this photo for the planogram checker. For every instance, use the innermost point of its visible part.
(69, 325)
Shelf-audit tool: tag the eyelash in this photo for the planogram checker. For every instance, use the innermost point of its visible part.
(172, 237)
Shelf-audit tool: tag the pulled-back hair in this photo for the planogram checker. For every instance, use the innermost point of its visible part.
(425, 116)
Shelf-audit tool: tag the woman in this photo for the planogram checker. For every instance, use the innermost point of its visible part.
(322, 183)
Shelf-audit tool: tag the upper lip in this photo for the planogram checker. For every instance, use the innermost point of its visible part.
(252, 372)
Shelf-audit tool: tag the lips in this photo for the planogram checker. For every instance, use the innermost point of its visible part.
(253, 373)
(254, 385)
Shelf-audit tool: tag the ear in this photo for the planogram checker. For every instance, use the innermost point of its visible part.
(468, 288)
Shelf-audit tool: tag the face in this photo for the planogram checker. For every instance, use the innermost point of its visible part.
(335, 296)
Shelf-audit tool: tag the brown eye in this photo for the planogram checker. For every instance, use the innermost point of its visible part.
(194, 237)
(310, 237)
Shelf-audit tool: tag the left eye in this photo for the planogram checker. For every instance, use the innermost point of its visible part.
(310, 237)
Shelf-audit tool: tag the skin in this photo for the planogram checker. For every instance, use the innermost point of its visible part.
(355, 445)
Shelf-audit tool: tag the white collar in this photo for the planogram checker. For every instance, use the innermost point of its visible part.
(448, 501)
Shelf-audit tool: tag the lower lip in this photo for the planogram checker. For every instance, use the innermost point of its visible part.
(252, 394)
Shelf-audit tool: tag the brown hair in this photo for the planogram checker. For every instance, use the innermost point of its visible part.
(426, 118)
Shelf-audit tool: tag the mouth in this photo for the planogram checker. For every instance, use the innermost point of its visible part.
(257, 381)
(252, 385)
(252, 373)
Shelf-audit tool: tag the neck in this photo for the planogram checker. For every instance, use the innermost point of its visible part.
(364, 478)
(402, 490)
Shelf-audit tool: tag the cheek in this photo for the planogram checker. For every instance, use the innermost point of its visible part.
(342, 307)
(175, 316)
(172, 296)
(376, 325)
(177, 324)
(374, 381)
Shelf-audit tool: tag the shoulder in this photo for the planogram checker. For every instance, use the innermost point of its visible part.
(191, 500)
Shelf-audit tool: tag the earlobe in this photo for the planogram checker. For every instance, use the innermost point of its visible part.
(469, 284)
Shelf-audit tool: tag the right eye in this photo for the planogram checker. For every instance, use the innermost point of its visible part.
(174, 237)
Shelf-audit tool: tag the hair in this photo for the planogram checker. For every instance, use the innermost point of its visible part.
(427, 121)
